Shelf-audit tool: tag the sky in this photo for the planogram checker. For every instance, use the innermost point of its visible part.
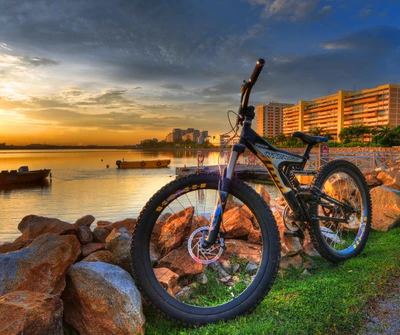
(83, 72)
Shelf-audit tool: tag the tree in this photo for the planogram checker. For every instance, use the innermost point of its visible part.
(317, 131)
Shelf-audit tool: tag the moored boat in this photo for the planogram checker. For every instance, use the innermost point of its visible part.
(145, 164)
(23, 175)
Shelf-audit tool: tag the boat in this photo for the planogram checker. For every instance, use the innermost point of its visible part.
(23, 175)
(145, 164)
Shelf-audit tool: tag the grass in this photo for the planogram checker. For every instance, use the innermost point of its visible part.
(332, 300)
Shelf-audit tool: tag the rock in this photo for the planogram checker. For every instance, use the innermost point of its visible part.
(308, 247)
(33, 226)
(100, 235)
(289, 245)
(154, 253)
(390, 179)
(264, 193)
(91, 248)
(385, 208)
(255, 236)
(242, 250)
(41, 267)
(291, 262)
(236, 223)
(251, 268)
(129, 224)
(100, 256)
(85, 221)
(166, 277)
(31, 313)
(119, 244)
(372, 180)
(179, 261)
(101, 224)
(173, 230)
(102, 298)
(84, 235)
(14, 246)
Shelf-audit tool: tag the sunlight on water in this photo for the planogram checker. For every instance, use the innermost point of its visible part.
(82, 184)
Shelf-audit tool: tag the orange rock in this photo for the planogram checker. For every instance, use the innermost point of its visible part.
(33, 226)
(91, 248)
(244, 250)
(129, 224)
(166, 277)
(390, 179)
(30, 313)
(14, 246)
(180, 262)
(40, 267)
(264, 193)
(385, 208)
(173, 231)
(100, 235)
(295, 262)
(100, 256)
(236, 223)
(86, 221)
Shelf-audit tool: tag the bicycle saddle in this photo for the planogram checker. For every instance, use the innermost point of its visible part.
(309, 139)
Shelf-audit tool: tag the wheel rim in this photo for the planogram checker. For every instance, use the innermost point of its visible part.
(342, 237)
(190, 278)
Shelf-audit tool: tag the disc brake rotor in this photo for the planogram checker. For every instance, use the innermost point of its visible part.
(199, 253)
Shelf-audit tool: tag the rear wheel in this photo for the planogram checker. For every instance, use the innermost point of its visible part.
(341, 217)
(195, 284)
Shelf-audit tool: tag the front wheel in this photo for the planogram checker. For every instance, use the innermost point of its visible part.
(341, 214)
(193, 283)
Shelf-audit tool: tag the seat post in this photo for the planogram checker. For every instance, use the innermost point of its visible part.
(308, 150)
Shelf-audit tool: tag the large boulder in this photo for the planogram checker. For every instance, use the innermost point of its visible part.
(102, 298)
(91, 248)
(119, 244)
(30, 313)
(385, 208)
(33, 226)
(40, 267)
(85, 235)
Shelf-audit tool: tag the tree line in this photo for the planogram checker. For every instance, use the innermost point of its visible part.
(354, 135)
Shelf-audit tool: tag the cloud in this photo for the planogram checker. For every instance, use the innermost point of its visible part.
(292, 10)
(381, 37)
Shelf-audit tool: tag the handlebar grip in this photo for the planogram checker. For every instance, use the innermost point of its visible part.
(257, 70)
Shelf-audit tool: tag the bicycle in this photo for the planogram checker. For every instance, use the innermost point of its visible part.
(206, 247)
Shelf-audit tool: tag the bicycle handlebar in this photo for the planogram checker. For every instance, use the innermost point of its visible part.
(246, 87)
(257, 69)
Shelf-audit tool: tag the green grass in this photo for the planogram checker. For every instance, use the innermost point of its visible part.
(332, 300)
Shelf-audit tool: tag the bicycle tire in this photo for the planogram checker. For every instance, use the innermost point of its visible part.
(338, 241)
(242, 290)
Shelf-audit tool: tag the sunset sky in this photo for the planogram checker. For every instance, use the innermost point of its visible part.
(116, 72)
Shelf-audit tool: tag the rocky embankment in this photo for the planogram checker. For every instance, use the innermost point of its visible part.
(80, 274)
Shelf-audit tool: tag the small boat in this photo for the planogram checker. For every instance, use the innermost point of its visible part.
(23, 175)
(145, 164)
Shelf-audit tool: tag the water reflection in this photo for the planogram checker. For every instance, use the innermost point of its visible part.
(82, 184)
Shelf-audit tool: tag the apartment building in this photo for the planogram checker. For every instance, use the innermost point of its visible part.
(378, 106)
(269, 118)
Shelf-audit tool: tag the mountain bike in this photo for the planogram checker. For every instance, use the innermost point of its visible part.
(206, 246)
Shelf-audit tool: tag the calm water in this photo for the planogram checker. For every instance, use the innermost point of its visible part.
(82, 184)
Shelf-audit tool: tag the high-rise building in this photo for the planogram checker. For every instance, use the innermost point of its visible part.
(269, 118)
(378, 106)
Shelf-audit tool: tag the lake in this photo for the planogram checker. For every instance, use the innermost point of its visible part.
(82, 184)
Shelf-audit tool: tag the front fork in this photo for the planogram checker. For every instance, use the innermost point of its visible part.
(223, 191)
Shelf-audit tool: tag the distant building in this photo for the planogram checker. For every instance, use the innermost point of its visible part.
(378, 106)
(269, 118)
(221, 140)
(191, 134)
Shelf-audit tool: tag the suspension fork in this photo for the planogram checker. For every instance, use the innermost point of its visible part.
(223, 191)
